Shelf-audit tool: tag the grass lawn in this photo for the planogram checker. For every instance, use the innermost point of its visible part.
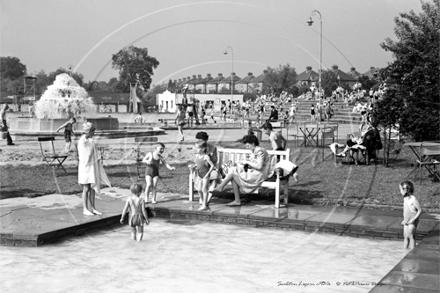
(321, 182)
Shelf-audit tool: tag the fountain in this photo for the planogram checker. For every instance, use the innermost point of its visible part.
(63, 99)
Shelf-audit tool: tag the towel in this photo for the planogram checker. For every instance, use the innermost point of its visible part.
(90, 168)
(285, 165)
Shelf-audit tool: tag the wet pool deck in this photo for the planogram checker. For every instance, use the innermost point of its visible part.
(46, 219)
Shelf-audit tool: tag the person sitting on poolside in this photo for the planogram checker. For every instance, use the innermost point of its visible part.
(249, 174)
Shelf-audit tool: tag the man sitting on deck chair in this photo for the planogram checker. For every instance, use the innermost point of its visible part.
(369, 142)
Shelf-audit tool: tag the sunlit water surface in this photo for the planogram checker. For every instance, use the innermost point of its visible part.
(198, 257)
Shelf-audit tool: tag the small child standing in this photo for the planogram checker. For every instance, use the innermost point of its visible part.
(411, 213)
(68, 131)
(138, 214)
(204, 166)
(153, 161)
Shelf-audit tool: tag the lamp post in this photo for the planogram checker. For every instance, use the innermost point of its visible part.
(232, 71)
(310, 22)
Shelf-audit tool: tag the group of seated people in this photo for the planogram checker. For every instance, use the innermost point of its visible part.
(367, 143)
(246, 176)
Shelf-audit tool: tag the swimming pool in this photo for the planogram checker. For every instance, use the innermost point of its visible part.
(192, 256)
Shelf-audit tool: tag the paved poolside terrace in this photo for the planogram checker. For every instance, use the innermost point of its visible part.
(48, 219)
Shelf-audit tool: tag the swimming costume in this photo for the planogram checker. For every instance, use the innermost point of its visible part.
(152, 170)
(137, 219)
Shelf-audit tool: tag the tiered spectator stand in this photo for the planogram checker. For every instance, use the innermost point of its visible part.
(342, 113)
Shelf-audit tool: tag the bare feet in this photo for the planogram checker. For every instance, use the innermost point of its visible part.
(234, 204)
(202, 208)
(97, 213)
(88, 213)
(153, 201)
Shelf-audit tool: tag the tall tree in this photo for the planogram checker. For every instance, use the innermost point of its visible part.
(415, 71)
(134, 65)
(282, 78)
(11, 68)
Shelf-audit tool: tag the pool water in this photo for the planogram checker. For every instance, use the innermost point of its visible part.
(192, 256)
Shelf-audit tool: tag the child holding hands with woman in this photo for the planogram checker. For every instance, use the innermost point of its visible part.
(153, 161)
(411, 213)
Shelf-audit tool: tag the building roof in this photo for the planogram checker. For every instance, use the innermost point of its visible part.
(371, 73)
(234, 77)
(206, 79)
(341, 75)
(216, 80)
(260, 78)
(247, 79)
(308, 75)
(353, 73)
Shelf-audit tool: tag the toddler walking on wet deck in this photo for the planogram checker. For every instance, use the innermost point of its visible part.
(411, 213)
(138, 214)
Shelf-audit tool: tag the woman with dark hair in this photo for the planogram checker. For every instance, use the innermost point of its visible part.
(249, 174)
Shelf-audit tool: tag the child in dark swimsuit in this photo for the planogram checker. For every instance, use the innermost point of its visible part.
(411, 213)
(68, 131)
(138, 214)
(153, 161)
(204, 166)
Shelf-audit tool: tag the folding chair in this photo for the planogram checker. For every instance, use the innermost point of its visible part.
(428, 160)
(50, 156)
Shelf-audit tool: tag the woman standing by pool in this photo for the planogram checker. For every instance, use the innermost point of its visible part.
(249, 174)
(90, 170)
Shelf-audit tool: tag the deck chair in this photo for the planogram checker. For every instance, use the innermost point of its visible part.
(428, 160)
(52, 158)
(140, 155)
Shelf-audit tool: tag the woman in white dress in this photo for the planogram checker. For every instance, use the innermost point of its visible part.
(90, 170)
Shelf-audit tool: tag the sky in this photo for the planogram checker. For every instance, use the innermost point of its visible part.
(189, 37)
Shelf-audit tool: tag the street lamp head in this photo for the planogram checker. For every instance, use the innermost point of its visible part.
(225, 52)
(310, 21)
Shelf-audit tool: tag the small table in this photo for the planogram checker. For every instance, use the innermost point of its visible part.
(417, 148)
(311, 134)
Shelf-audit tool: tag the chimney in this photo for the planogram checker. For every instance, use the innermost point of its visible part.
(188, 78)
(233, 73)
(372, 68)
(265, 71)
(335, 67)
(308, 68)
(220, 75)
(209, 75)
(352, 69)
(180, 80)
(249, 73)
(194, 76)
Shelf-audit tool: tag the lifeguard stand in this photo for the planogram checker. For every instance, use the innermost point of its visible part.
(29, 90)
